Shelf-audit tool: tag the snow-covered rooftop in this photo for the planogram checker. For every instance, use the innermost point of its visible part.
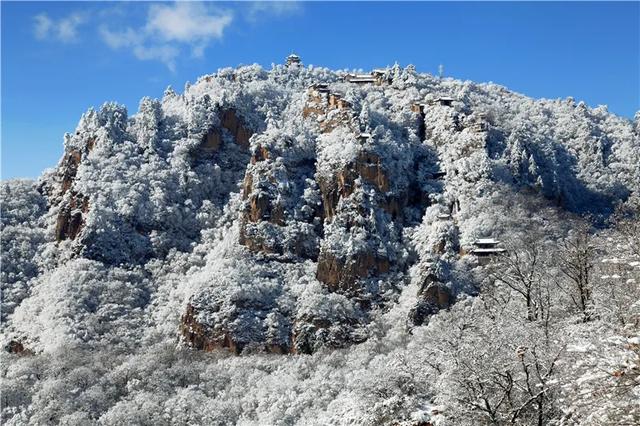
(365, 79)
(486, 241)
(488, 250)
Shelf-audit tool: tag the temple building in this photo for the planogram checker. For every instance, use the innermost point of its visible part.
(293, 59)
(486, 249)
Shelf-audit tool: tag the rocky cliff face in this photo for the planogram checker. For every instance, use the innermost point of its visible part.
(73, 206)
(232, 123)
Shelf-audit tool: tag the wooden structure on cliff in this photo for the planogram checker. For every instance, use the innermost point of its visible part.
(486, 249)
(377, 77)
(360, 79)
(293, 59)
(442, 101)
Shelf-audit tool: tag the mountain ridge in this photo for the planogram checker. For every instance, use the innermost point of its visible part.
(303, 211)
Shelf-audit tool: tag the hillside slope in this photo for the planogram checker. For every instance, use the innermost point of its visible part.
(322, 226)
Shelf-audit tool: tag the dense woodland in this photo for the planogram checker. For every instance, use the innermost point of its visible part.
(259, 250)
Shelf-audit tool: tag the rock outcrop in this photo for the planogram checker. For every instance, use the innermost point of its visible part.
(276, 219)
(342, 274)
(341, 194)
(69, 168)
(366, 166)
(330, 110)
(16, 347)
(203, 338)
(71, 217)
(432, 297)
(211, 141)
(73, 206)
(232, 121)
(311, 333)
(259, 335)
(304, 336)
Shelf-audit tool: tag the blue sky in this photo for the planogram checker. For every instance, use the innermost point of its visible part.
(60, 58)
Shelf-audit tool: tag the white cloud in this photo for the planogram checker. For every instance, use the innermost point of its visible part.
(168, 28)
(42, 26)
(68, 28)
(166, 54)
(140, 46)
(116, 40)
(64, 29)
(187, 22)
(259, 10)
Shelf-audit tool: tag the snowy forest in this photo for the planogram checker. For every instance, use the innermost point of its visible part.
(306, 246)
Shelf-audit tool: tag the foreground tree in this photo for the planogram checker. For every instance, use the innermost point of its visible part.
(523, 271)
(626, 222)
(576, 257)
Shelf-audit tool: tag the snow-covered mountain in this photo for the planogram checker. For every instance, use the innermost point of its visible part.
(380, 248)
